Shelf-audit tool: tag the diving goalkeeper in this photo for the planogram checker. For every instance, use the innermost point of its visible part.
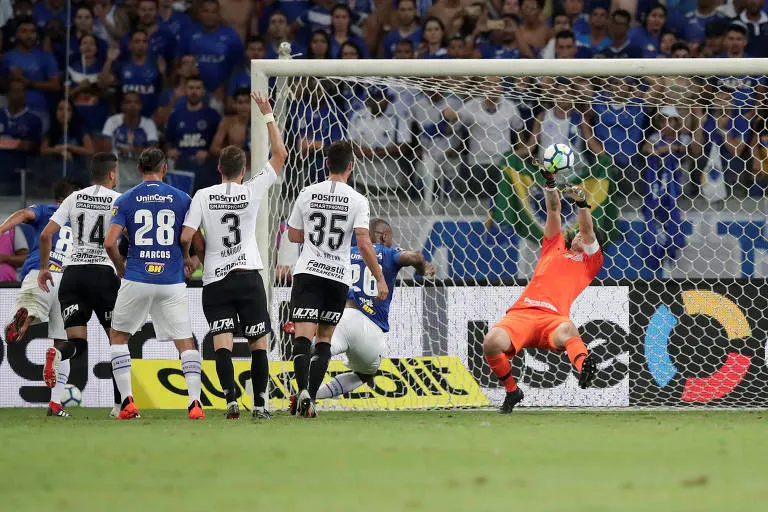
(540, 317)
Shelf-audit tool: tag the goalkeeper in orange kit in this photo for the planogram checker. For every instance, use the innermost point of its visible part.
(540, 317)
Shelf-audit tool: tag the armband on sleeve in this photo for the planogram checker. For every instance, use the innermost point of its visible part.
(592, 248)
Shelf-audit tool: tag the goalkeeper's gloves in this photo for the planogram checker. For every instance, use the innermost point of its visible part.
(549, 177)
(581, 197)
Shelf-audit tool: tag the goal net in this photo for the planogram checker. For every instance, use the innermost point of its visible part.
(673, 154)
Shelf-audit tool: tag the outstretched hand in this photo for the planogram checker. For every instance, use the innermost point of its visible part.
(578, 194)
(262, 102)
(549, 177)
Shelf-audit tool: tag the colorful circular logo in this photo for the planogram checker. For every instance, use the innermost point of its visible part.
(728, 376)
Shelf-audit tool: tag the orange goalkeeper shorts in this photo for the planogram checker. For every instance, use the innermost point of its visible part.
(531, 328)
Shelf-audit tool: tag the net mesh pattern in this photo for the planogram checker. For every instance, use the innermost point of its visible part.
(674, 168)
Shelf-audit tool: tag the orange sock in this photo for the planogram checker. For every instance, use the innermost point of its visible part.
(503, 370)
(577, 351)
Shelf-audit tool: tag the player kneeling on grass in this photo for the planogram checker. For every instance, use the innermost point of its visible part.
(233, 291)
(360, 333)
(33, 305)
(540, 317)
(152, 214)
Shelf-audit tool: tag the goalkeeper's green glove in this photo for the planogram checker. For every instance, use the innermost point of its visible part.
(549, 177)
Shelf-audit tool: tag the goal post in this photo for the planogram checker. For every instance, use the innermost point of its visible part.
(673, 154)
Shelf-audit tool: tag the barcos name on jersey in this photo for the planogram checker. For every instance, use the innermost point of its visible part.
(154, 198)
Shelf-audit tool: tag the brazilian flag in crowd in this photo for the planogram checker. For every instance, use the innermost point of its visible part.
(519, 203)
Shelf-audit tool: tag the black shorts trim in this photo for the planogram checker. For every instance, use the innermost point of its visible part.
(317, 299)
(239, 299)
(88, 289)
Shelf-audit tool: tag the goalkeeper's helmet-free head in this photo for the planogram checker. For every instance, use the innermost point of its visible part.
(571, 234)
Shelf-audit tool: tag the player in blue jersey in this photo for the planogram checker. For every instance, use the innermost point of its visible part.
(360, 334)
(152, 214)
(33, 305)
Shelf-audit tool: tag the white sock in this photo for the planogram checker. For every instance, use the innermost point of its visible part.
(339, 385)
(121, 369)
(62, 377)
(191, 365)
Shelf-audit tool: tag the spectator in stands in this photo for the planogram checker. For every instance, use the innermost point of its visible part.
(112, 21)
(241, 78)
(350, 50)
(341, 26)
(457, 48)
(510, 8)
(666, 149)
(176, 93)
(433, 45)
(534, 33)
(648, 37)
(621, 47)
(278, 31)
(445, 11)
(47, 10)
(597, 39)
(502, 42)
(235, 130)
(128, 134)
(35, 68)
(731, 9)
(735, 42)
(83, 27)
(218, 48)
(13, 252)
(176, 22)
(560, 23)
(756, 21)
(694, 28)
(20, 134)
(405, 49)
(319, 45)
(320, 123)
(21, 9)
(680, 50)
(162, 42)
(87, 81)
(319, 17)
(68, 139)
(407, 28)
(561, 122)
(55, 42)
(714, 36)
(379, 138)
(490, 123)
(567, 48)
(578, 20)
(471, 22)
(294, 9)
(665, 44)
(760, 157)
(138, 73)
(189, 134)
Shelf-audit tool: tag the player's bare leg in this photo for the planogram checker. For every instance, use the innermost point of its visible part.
(302, 344)
(121, 371)
(18, 325)
(192, 367)
(222, 345)
(259, 377)
(62, 376)
(497, 349)
(566, 337)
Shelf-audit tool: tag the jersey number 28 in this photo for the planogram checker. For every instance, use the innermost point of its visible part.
(163, 234)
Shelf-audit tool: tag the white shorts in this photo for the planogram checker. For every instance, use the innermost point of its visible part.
(167, 303)
(360, 339)
(44, 307)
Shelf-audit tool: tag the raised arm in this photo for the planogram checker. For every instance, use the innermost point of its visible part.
(416, 260)
(276, 144)
(368, 252)
(584, 214)
(552, 226)
(16, 218)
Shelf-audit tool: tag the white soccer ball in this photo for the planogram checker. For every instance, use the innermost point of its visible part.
(558, 158)
(72, 396)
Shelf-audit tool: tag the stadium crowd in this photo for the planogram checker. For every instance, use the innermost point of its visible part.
(137, 73)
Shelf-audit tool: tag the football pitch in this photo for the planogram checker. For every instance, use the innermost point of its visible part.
(532, 460)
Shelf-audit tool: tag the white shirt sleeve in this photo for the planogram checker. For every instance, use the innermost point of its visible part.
(110, 126)
(592, 248)
(515, 119)
(296, 220)
(195, 213)
(150, 128)
(287, 252)
(363, 215)
(19, 240)
(61, 215)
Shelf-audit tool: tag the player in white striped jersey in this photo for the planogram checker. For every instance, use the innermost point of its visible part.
(323, 218)
(89, 283)
(233, 291)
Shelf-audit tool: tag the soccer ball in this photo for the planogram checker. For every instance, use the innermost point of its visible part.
(72, 397)
(558, 158)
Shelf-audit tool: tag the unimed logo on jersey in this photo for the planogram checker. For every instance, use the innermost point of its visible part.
(154, 198)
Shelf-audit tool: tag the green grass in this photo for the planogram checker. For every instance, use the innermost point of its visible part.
(444, 461)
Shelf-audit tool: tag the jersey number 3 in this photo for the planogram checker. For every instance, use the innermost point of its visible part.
(146, 221)
(334, 233)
